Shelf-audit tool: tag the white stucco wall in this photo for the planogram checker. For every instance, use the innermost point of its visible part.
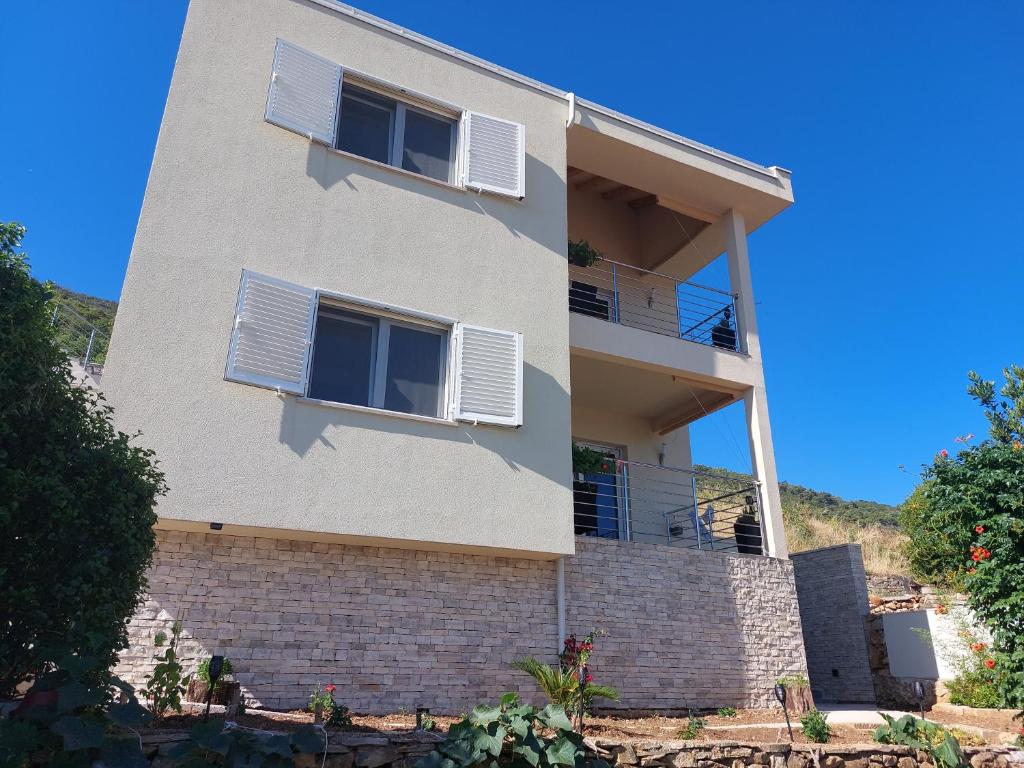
(229, 191)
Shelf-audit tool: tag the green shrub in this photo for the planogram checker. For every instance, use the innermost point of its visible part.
(793, 681)
(166, 685)
(510, 732)
(910, 731)
(727, 712)
(203, 670)
(816, 726)
(692, 728)
(76, 496)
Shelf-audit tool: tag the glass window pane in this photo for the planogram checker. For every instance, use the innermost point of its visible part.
(428, 145)
(343, 351)
(414, 371)
(365, 124)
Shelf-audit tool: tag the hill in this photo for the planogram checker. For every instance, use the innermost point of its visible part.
(819, 519)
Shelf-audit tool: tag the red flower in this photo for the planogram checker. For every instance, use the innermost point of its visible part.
(590, 678)
(978, 647)
(979, 529)
(975, 557)
(944, 453)
(331, 688)
(990, 663)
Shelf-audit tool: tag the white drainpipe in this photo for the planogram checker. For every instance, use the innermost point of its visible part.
(560, 599)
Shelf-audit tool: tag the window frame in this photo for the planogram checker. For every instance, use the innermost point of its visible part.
(404, 100)
(387, 316)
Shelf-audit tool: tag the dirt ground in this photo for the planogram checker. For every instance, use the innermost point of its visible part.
(717, 728)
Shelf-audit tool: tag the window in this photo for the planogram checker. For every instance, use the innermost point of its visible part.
(390, 131)
(378, 362)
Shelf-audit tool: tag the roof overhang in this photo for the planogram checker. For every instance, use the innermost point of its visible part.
(683, 174)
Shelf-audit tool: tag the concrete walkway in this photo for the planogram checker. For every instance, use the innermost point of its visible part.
(838, 714)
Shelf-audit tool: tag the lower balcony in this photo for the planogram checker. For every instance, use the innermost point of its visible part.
(634, 501)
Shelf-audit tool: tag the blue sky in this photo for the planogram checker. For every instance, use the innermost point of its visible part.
(899, 268)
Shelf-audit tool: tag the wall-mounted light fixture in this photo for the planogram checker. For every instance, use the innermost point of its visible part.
(216, 526)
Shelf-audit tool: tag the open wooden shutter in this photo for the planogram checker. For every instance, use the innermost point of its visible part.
(488, 376)
(494, 157)
(272, 334)
(304, 93)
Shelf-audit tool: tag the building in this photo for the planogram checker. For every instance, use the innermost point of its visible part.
(351, 332)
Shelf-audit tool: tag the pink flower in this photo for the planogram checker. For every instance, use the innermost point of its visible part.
(979, 529)
(990, 663)
(331, 688)
(944, 453)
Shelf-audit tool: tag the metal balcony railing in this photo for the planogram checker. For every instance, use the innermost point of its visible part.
(628, 295)
(78, 337)
(666, 505)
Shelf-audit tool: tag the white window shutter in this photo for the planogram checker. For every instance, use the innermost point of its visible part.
(304, 93)
(272, 334)
(494, 155)
(488, 376)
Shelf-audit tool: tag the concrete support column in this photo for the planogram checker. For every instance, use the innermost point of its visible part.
(755, 400)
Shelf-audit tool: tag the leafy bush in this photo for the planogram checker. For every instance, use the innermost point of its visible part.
(588, 461)
(692, 728)
(166, 685)
(203, 670)
(322, 699)
(976, 683)
(73, 721)
(583, 254)
(816, 726)
(562, 685)
(910, 731)
(76, 496)
(511, 730)
(793, 681)
(727, 712)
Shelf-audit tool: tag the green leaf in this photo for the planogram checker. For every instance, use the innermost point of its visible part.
(123, 753)
(483, 715)
(561, 752)
(78, 732)
(518, 725)
(509, 700)
(308, 740)
(17, 740)
(130, 715)
(74, 695)
(495, 739)
(553, 716)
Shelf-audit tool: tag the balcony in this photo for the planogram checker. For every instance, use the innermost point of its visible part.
(638, 298)
(634, 501)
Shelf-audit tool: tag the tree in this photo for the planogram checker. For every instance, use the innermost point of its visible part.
(76, 496)
(1005, 416)
(966, 527)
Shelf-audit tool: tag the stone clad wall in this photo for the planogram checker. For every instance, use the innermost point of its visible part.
(833, 608)
(396, 629)
(685, 628)
(392, 628)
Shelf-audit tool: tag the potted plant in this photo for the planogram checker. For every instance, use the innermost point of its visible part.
(199, 685)
(587, 461)
(582, 254)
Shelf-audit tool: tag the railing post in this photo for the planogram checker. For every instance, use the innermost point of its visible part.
(696, 510)
(679, 317)
(626, 508)
(615, 293)
(88, 349)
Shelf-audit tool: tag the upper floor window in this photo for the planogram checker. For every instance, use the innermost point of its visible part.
(390, 131)
(364, 116)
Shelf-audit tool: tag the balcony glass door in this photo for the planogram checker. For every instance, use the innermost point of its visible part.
(599, 498)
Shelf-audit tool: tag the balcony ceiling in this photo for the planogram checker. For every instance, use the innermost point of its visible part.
(665, 400)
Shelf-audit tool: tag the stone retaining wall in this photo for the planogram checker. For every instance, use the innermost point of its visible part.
(402, 750)
(396, 628)
(833, 607)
